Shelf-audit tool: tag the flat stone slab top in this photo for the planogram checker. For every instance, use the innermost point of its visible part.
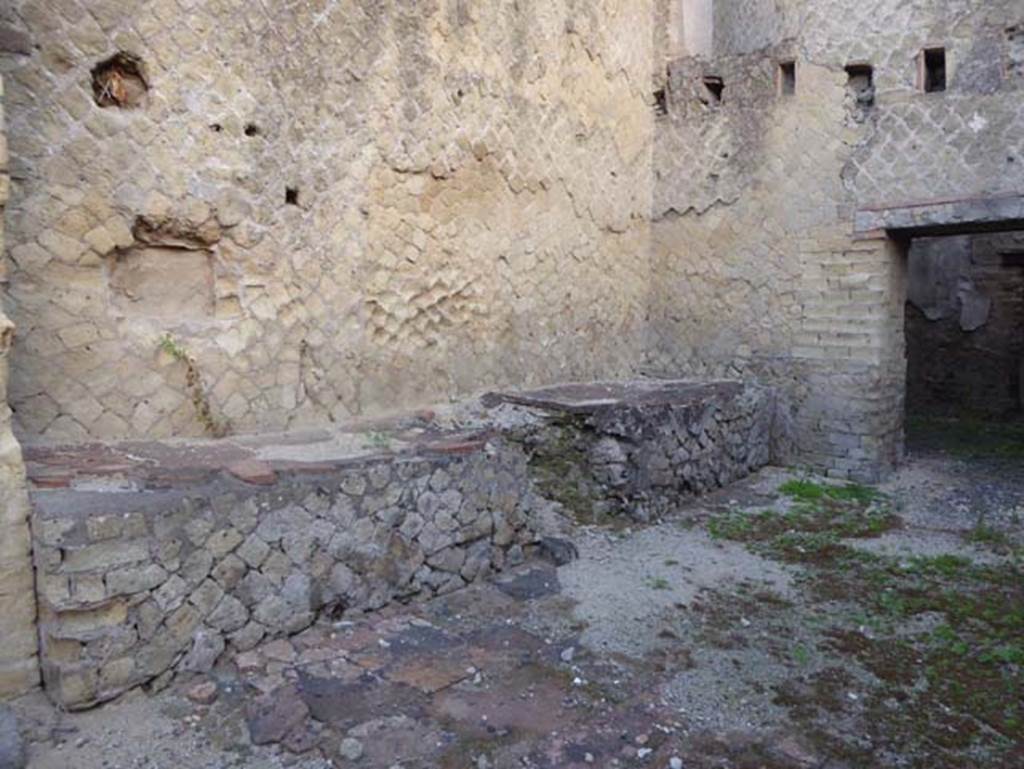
(255, 459)
(259, 459)
(585, 398)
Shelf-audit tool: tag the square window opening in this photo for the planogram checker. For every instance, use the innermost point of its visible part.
(714, 90)
(661, 103)
(933, 70)
(861, 83)
(787, 78)
(1015, 44)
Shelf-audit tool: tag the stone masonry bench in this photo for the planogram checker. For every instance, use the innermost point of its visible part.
(153, 558)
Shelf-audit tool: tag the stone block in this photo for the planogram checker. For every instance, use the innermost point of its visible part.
(229, 572)
(229, 615)
(87, 624)
(253, 551)
(117, 674)
(223, 542)
(135, 579)
(207, 646)
(105, 556)
(206, 597)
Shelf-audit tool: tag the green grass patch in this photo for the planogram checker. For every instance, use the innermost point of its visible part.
(949, 566)
(820, 516)
(943, 635)
(659, 583)
(803, 490)
(801, 656)
(961, 684)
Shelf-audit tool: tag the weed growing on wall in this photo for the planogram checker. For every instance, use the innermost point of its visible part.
(214, 427)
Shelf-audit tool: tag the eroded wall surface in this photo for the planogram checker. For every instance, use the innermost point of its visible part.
(275, 214)
(756, 271)
(19, 669)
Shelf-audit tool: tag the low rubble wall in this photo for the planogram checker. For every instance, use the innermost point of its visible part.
(637, 450)
(134, 584)
(156, 558)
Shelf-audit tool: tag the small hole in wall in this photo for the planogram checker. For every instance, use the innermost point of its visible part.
(251, 129)
(714, 90)
(787, 78)
(861, 83)
(291, 196)
(660, 103)
(933, 70)
(119, 81)
(1015, 44)
(216, 127)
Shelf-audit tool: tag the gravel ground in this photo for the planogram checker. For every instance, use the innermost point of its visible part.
(637, 578)
(662, 646)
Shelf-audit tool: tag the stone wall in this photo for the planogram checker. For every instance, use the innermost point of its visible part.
(315, 213)
(154, 558)
(322, 209)
(604, 451)
(965, 316)
(757, 271)
(137, 584)
(19, 669)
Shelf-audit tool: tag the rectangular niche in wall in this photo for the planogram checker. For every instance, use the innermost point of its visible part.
(161, 282)
(661, 103)
(787, 78)
(714, 90)
(861, 83)
(932, 70)
(1015, 51)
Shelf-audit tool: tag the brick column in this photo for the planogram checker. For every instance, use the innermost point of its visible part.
(19, 666)
(853, 348)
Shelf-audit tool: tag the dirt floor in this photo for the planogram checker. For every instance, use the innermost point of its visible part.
(784, 623)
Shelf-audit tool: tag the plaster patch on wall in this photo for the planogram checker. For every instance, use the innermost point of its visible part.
(974, 309)
(162, 282)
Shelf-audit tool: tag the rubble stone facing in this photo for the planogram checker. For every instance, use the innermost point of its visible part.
(19, 669)
(639, 456)
(135, 584)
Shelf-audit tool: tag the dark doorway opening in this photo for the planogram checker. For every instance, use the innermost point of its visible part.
(965, 340)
